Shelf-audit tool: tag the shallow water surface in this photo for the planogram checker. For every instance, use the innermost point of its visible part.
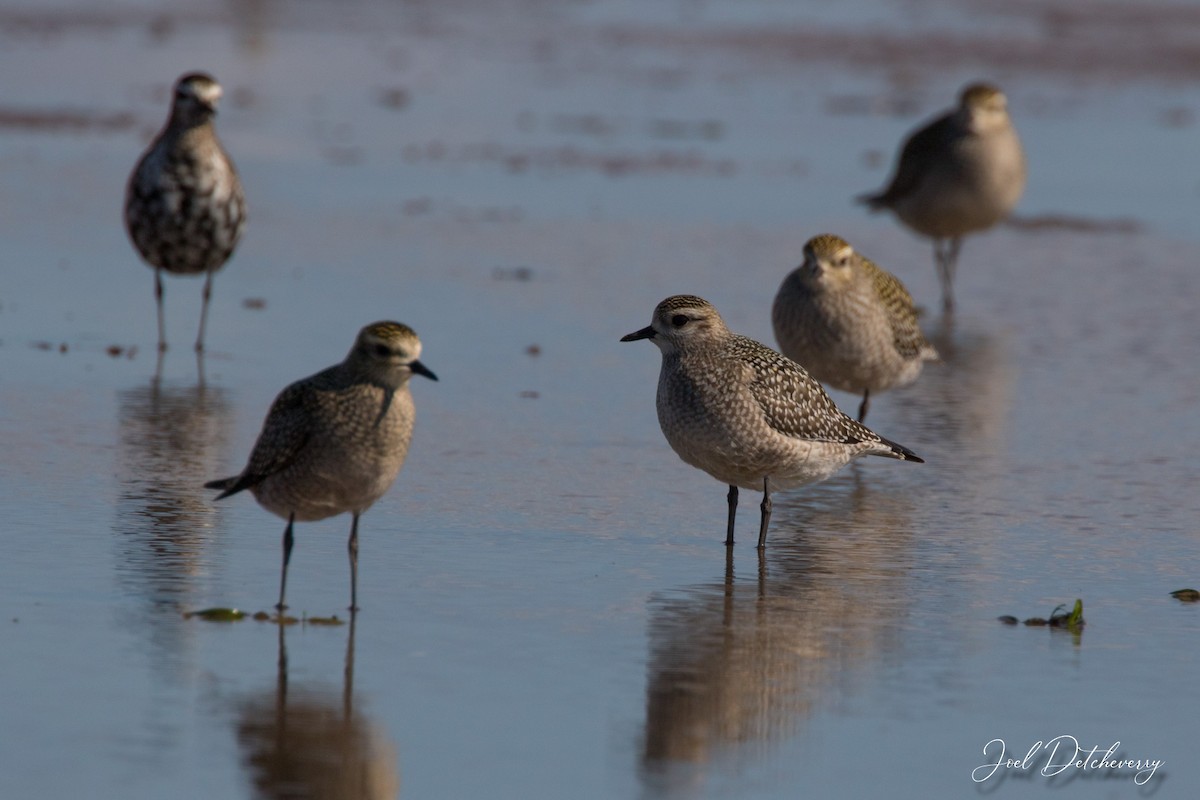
(548, 610)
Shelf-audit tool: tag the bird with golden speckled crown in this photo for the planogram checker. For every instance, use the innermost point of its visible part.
(962, 172)
(335, 441)
(852, 325)
(745, 414)
(184, 207)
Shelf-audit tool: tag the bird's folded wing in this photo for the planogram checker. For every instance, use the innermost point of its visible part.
(794, 403)
(922, 147)
(283, 437)
(902, 312)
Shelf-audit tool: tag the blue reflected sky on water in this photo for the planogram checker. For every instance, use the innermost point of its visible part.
(548, 610)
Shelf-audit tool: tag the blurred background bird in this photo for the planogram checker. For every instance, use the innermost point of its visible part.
(962, 172)
(852, 325)
(184, 207)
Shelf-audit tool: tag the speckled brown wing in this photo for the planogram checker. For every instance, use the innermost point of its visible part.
(284, 435)
(792, 401)
(902, 312)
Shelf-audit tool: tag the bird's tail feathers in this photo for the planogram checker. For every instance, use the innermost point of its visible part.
(227, 486)
(873, 201)
(890, 449)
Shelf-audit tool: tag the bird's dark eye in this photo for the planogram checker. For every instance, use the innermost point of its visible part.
(679, 320)
(382, 350)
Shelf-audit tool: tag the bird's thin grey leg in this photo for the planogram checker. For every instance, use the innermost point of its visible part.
(204, 310)
(766, 514)
(939, 260)
(952, 266)
(352, 546)
(732, 498)
(862, 407)
(158, 298)
(288, 541)
(945, 253)
(348, 675)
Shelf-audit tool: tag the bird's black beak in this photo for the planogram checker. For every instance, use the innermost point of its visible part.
(645, 333)
(421, 369)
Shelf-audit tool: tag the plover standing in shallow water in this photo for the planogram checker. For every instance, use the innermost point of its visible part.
(184, 207)
(962, 172)
(746, 415)
(335, 441)
(852, 325)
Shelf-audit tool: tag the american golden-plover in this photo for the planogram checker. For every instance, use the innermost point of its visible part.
(184, 207)
(745, 414)
(335, 441)
(852, 325)
(961, 172)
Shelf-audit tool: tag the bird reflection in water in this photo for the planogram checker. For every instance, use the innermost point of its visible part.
(160, 362)
(303, 742)
(170, 438)
(966, 400)
(736, 666)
